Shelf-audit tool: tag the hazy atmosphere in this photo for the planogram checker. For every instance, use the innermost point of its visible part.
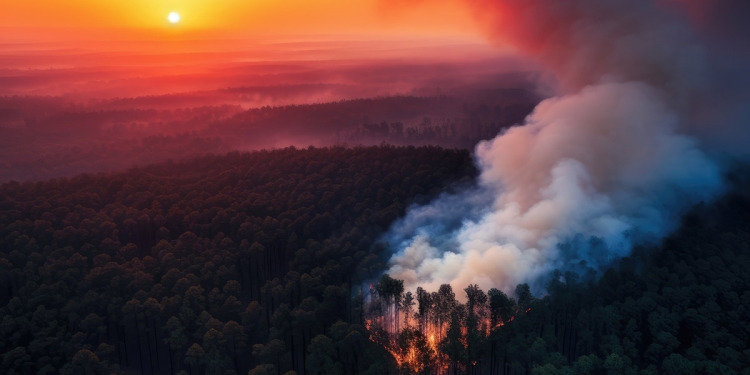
(433, 187)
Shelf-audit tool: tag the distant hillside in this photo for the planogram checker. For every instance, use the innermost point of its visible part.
(44, 137)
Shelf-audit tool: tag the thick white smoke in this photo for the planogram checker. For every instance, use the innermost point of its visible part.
(605, 163)
(591, 172)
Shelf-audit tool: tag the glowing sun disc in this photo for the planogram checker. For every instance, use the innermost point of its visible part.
(173, 17)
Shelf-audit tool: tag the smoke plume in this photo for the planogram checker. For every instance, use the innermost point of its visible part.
(614, 158)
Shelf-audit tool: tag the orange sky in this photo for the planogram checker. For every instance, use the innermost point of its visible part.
(114, 48)
(230, 17)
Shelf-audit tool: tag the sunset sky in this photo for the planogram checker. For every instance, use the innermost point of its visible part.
(232, 17)
(76, 74)
(57, 47)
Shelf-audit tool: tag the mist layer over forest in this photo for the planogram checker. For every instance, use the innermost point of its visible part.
(64, 112)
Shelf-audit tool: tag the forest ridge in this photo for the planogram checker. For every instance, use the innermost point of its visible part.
(46, 137)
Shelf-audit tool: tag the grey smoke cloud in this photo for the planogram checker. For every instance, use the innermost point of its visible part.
(616, 156)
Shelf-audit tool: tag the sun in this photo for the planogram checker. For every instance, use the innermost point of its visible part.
(173, 17)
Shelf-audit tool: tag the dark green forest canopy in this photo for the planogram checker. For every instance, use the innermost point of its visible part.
(253, 263)
(197, 265)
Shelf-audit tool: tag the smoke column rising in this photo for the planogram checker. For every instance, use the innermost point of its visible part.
(615, 157)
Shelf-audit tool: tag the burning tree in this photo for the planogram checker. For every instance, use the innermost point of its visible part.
(407, 306)
(414, 353)
(444, 304)
(477, 325)
(502, 307)
(390, 291)
(424, 301)
(447, 337)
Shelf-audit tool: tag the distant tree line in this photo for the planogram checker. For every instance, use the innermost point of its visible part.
(47, 137)
(471, 125)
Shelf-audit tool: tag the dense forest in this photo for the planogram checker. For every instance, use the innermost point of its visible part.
(219, 265)
(268, 263)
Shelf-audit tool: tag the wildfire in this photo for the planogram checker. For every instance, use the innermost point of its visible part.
(487, 326)
(416, 339)
(420, 348)
(409, 357)
(396, 355)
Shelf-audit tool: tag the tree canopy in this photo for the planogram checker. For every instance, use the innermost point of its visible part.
(217, 265)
